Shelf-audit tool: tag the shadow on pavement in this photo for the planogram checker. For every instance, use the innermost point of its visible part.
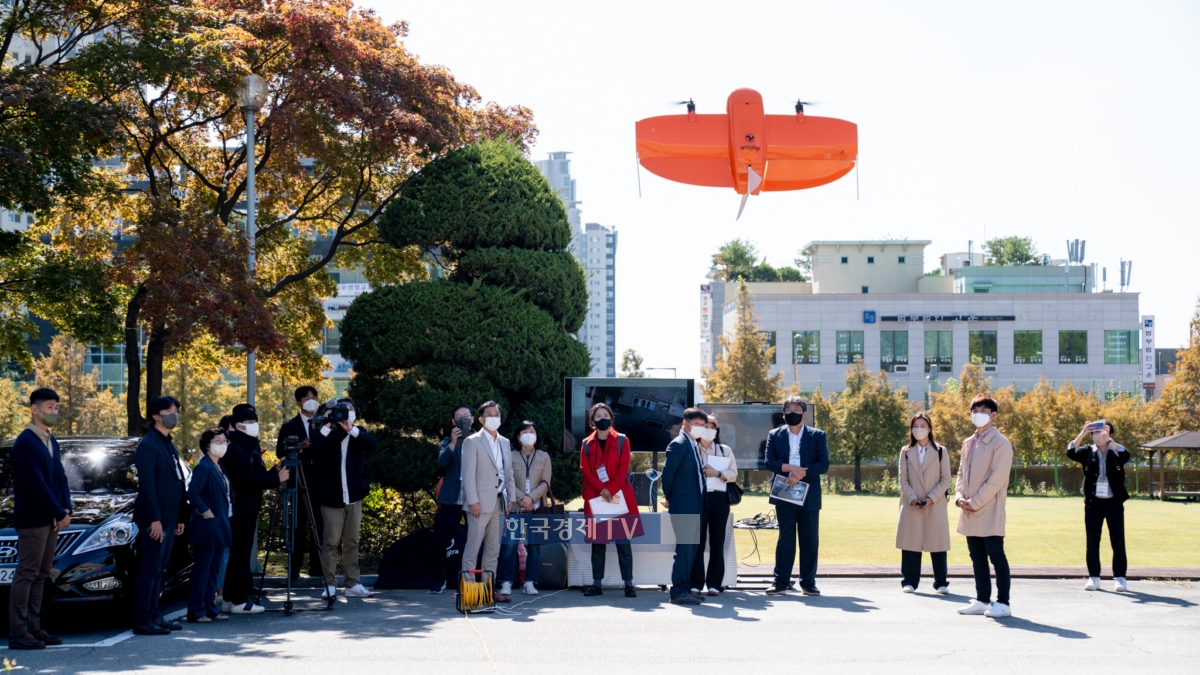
(1034, 627)
(1148, 598)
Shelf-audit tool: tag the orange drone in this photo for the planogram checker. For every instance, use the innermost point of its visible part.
(748, 150)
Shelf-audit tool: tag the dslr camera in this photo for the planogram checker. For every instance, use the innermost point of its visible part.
(332, 413)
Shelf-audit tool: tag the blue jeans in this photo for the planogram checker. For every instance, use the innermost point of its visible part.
(510, 561)
(203, 584)
(154, 556)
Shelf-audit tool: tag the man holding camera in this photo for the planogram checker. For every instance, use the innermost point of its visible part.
(300, 427)
(450, 494)
(1104, 496)
(248, 477)
(487, 481)
(342, 459)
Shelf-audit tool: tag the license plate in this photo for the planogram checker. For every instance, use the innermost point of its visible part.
(6, 574)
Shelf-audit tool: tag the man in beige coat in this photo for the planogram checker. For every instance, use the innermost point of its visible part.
(487, 478)
(982, 491)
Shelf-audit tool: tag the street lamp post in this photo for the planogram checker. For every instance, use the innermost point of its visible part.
(251, 95)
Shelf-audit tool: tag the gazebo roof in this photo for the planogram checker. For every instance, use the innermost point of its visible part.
(1187, 440)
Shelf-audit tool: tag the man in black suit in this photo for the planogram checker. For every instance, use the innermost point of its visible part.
(797, 452)
(684, 493)
(1104, 496)
(160, 512)
(300, 427)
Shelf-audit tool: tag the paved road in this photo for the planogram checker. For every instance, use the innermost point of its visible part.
(857, 626)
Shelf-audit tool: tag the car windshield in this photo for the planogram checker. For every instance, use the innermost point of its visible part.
(102, 466)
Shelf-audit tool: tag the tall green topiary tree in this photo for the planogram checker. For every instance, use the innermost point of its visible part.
(497, 326)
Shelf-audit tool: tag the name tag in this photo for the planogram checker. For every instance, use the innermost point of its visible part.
(602, 472)
(527, 490)
(1103, 491)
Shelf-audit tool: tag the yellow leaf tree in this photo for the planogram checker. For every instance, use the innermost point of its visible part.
(1181, 397)
(743, 370)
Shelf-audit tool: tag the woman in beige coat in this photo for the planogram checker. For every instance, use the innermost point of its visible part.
(924, 525)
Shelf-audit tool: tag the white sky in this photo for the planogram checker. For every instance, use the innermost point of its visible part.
(1053, 120)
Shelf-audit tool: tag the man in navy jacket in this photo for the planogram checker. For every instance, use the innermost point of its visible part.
(160, 513)
(41, 507)
(684, 492)
(797, 452)
(300, 426)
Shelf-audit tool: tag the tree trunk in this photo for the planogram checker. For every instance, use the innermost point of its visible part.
(857, 472)
(155, 350)
(134, 424)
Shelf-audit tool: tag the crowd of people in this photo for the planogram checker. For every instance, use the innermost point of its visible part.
(485, 476)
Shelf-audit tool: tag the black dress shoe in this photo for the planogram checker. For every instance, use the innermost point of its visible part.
(149, 628)
(777, 590)
(685, 599)
(696, 596)
(630, 592)
(49, 639)
(26, 641)
(593, 590)
(169, 625)
(810, 590)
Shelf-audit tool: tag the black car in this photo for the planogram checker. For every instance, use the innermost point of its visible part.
(95, 563)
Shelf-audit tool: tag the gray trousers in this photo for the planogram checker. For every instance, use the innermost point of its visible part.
(484, 532)
(35, 556)
(342, 525)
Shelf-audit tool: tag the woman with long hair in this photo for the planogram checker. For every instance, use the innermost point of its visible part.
(710, 445)
(604, 461)
(924, 524)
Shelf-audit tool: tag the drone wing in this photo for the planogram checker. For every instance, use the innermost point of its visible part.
(695, 152)
(805, 154)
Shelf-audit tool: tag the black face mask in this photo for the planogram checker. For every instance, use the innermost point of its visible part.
(603, 424)
(793, 418)
(463, 424)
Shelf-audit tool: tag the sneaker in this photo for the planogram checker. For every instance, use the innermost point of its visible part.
(437, 588)
(505, 588)
(329, 592)
(694, 591)
(908, 589)
(811, 590)
(225, 607)
(976, 608)
(248, 608)
(942, 590)
(998, 610)
(357, 591)
(714, 592)
(1093, 583)
(1119, 585)
(528, 588)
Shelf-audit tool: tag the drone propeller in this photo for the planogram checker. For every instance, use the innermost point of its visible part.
(800, 105)
(691, 105)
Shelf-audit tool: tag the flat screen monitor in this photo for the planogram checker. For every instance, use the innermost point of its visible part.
(649, 411)
(744, 428)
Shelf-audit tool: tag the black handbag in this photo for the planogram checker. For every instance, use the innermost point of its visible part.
(734, 491)
(553, 507)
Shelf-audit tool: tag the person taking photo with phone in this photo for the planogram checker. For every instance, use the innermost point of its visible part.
(1104, 497)
(924, 524)
(982, 494)
(449, 496)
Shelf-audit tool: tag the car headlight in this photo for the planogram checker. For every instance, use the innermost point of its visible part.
(119, 531)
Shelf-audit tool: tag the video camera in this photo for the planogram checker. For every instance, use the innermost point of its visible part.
(291, 452)
(331, 414)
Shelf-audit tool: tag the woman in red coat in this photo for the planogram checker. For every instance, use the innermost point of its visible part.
(604, 462)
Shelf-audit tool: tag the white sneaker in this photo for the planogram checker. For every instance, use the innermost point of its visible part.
(908, 589)
(942, 590)
(528, 589)
(1093, 583)
(248, 608)
(976, 608)
(329, 592)
(505, 588)
(1120, 586)
(357, 591)
(226, 607)
(998, 610)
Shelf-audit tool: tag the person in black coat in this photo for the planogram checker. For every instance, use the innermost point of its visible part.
(211, 500)
(799, 453)
(685, 495)
(342, 451)
(300, 426)
(1104, 496)
(160, 512)
(41, 508)
(248, 477)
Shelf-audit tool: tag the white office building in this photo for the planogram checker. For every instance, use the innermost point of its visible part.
(872, 301)
(595, 246)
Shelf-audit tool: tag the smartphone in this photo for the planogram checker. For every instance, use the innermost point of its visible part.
(1098, 425)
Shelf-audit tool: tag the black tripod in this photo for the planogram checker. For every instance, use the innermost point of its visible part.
(288, 498)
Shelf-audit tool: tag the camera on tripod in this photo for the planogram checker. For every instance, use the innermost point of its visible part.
(332, 414)
(291, 453)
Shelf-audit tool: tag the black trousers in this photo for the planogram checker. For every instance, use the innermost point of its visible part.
(797, 525)
(981, 549)
(153, 557)
(713, 534)
(910, 567)
(238, 583)
(1095, 514)
(624, 560)
(444, 524)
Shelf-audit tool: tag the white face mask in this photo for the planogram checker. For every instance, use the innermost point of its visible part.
(218, 450)
(980, 419)
(250, 429)
(310, 405)
(351, 417)
(696, 432)
(920, 433)
(707, 434)
(492, 423)
(528, 438)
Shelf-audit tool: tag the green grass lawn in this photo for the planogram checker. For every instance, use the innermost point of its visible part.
(1041, 531)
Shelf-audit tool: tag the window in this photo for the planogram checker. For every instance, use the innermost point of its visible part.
(864, 290)
(893, 349)
(982, 345)
(939, 350)
(333, 339)
(900, 260)
(870, 260)
(806, 346)
(845, 260)
(1120, 347)
(1027, 346)
(1072, 346)
(770, 343)
(849, 346)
